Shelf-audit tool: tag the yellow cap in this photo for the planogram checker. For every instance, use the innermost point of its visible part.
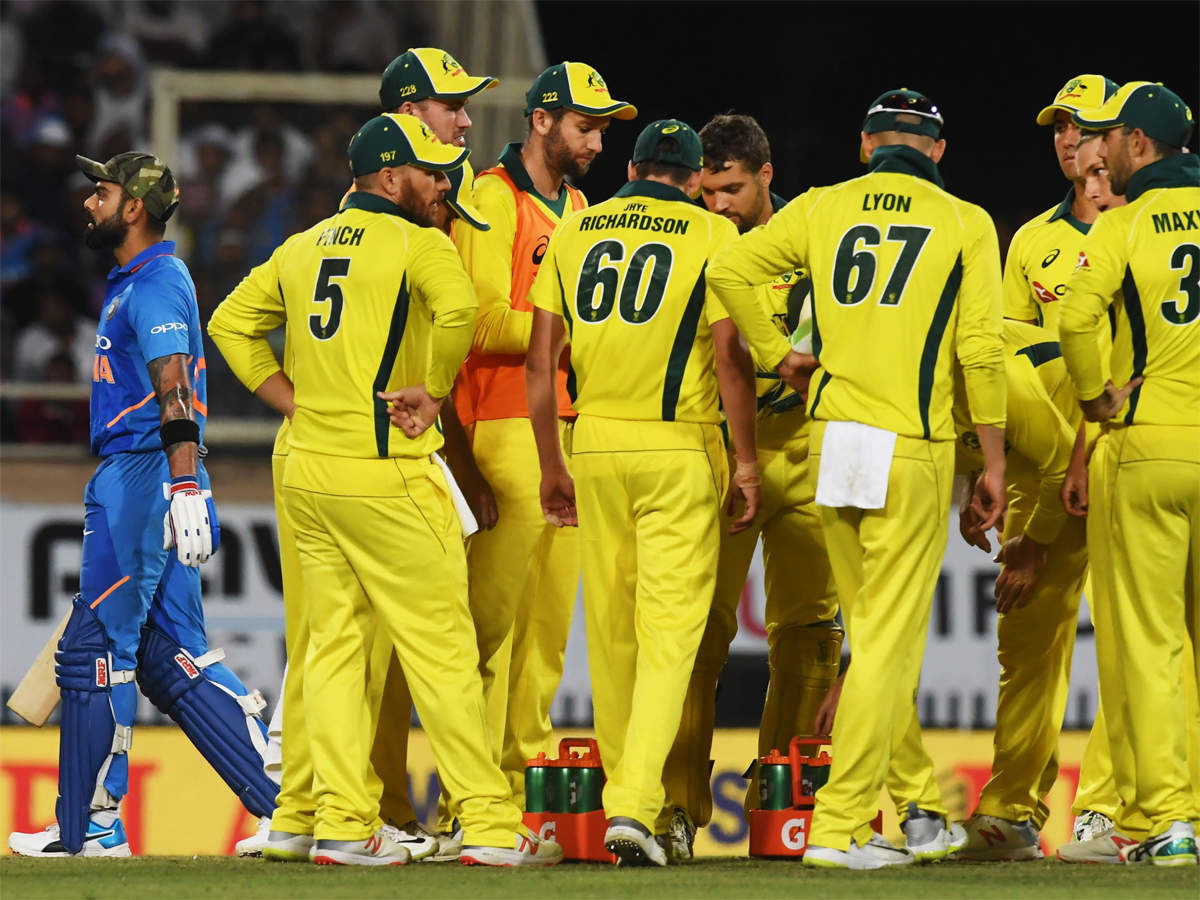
(576, 86)
(1081, 92)
(424, 72)
(393, 139)
(461, 197)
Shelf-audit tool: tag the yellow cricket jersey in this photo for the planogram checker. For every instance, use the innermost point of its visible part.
(628, 278)
(905, 277)
(1140, 266)
(1041, 258)
(1043, 419)
(372, 302)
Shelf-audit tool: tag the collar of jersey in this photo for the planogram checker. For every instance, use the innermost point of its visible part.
(655, 189)
(511, 160)
(777, 202)
(1063, 211)
(1180, 170)
(162, 248)
(906, 161)
(368, 202)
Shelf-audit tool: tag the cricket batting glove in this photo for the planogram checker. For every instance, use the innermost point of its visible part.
(190, 524)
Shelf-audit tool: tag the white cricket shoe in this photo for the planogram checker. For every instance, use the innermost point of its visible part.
(1090, 824)
(1102, 848)
(1000, 840)
(253, 845)
(383, 848)
(632, 843)
(877, 853)
(1174, 847)
(680, 836)
(449, 846)
(287, 846)
(100, 840)
(420, 841)
(928, 836)
(527, 851)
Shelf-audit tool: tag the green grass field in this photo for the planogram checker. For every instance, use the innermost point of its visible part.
(180, 877)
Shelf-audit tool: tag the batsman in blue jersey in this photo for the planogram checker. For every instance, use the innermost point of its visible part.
(138, 614)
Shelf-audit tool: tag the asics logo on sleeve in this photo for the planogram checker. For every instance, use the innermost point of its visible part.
(168, 326)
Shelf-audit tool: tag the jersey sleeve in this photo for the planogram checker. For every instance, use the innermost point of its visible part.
(743, 263)
(546, 292)
(240, 325)
(1019, 302)
(978, 341)
(159, 315)
(1097, 278)
(1039, 432)
(487, 256)
(437, 275)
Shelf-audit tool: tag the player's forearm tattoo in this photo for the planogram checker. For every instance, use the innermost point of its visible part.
(168, 375)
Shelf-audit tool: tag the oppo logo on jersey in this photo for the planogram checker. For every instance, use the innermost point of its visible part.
(168, 326)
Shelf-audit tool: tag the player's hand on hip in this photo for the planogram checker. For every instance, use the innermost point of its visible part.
(796, 370)
(1023, 559)
(411, 409)
(558, 498)
(189, 522)
(1108, 404)
(744, 496)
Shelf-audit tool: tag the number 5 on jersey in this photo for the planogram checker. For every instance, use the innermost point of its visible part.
(325, 321)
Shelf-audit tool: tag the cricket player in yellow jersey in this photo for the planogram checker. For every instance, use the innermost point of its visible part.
(1044, 562)
(431, 85)
(1141, 261)
(524, 573)
(624, 282)
(1042, 253)
(906, 277)
(803, 638)
(380, 312)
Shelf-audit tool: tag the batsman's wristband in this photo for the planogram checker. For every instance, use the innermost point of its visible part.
(176, 431)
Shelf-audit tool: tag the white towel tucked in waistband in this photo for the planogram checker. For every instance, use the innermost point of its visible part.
(469, 525)
(855, 462)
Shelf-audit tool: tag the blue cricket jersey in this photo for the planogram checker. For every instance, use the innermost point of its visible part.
(149, 311)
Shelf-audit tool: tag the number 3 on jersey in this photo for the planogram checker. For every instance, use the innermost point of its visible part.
(861, 263)
(598, 273)
(325, 322)
(1186, 257)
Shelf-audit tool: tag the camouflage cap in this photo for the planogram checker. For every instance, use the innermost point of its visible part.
(141, 175)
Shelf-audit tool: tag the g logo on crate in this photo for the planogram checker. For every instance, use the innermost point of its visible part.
(101, 673)
(189, 667)
(548, 831)
(792, 834)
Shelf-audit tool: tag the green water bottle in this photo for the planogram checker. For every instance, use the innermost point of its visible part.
(774, 781)
(537, 795)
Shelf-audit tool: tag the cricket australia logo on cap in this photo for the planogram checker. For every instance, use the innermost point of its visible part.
(189, 667)
(596, 83)
(450, 65)
(1073, 90)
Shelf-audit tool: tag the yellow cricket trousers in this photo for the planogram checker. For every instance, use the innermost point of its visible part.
(296, 810)
(386, 551)
(648, 496)
(524, 575)
(800, 592)
(1034, 646)
(1144, 541)
(910, 777)
(886, 563)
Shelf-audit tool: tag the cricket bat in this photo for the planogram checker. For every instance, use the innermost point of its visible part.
(37, 694)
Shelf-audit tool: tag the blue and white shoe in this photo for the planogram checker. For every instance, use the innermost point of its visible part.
(100, 841)
(1174, 847)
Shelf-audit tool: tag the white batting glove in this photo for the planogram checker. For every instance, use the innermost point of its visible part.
(188, 525)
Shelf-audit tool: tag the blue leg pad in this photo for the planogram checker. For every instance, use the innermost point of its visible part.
(212, 716)
(82, 668)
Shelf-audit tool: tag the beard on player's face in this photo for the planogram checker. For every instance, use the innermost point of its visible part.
(110, 233)
(560, 156)
(421, 200)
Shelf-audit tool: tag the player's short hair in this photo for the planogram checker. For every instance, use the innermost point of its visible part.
(677, 174)
(555, 114)
(731, 137)
(1161, 148)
